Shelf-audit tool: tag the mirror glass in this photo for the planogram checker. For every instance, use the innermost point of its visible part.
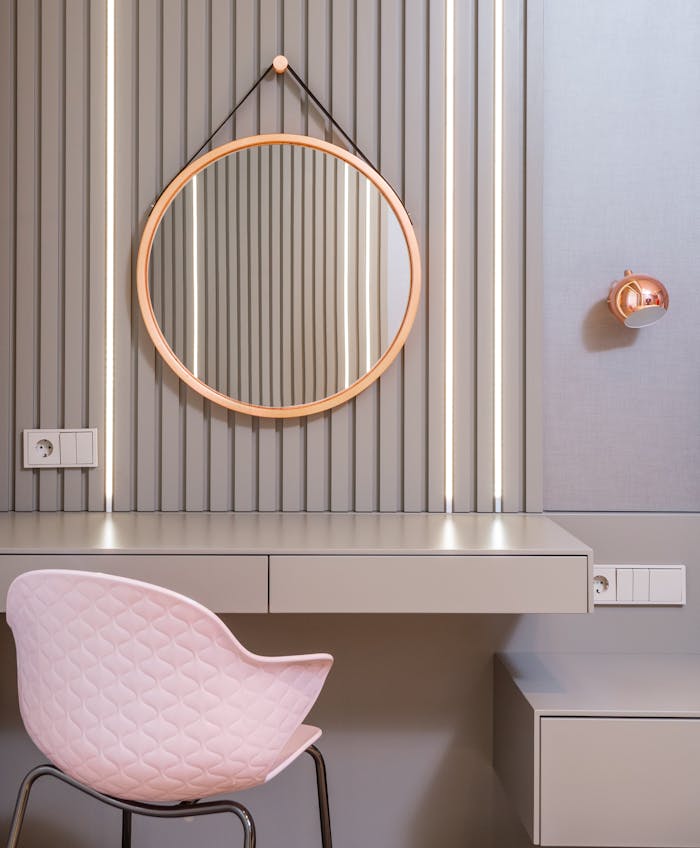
(279, 275)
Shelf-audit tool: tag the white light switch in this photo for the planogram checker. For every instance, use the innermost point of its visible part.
(625, 584)
(68, 452)
(666, 586)
(639, 585)
(85, 452)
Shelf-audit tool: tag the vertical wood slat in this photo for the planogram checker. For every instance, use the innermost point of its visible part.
(126, 26)
(221, 95)
(8, 82)
(26, 258)
(465, 171)
(172, 152)
(341, 107)
(415, 360)
(96, 195)
(484, 470)
(513, 255)
(435, 259)
(367, 106)
(534, 174)
(391, 165)
(48, 234)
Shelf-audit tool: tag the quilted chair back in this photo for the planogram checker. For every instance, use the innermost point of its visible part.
(146, 695)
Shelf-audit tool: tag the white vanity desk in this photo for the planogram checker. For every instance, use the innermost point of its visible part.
(318, 562)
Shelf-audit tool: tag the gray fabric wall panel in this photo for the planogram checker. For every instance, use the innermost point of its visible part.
(621, 189)
(52, 75)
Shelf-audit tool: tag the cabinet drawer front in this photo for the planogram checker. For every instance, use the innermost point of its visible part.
(222, 583)
(620, 781)
(430, 584)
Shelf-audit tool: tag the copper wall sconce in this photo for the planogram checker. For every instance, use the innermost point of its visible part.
(638, 300)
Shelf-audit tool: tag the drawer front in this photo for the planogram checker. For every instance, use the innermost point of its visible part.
(620, 781)
(430, 584)
(222, 583)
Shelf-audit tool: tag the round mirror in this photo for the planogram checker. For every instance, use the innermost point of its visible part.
(278, 275)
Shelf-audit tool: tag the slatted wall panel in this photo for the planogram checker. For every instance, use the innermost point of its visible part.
(181, 64)
(52, 224)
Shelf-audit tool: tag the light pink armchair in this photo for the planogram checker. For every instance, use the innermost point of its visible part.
(144, 699)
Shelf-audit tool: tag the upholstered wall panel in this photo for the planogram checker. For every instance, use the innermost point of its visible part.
(621, 190)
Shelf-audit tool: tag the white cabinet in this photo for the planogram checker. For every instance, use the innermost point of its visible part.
(601, 750)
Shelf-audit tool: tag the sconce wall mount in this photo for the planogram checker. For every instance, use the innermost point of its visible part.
(638, 300)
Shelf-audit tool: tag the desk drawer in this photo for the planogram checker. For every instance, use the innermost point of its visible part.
(429, 584)
(222, 583)
(620, 782)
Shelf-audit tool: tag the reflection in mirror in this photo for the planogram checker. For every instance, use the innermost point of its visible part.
(279, 275)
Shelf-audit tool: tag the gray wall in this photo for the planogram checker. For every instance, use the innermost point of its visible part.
(407, 710)
(621, 189)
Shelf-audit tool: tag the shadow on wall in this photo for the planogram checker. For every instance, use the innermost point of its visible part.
(600, 330)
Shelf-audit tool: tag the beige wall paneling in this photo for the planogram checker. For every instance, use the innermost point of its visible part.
(126, 83)
(513, 324)
(27, 244)
(415, 183)
(465, 249)
(368, 451)
(534, 154)
(222, 94)
(50, 174)
(293, 430)
(341, 106)
(179, 68)
(53, 85)
(484, 260)
(8, 182)
(391, 164)
(434, 257)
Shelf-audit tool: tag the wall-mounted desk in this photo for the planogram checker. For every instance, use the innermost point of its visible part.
(601, 749)
(318, 562)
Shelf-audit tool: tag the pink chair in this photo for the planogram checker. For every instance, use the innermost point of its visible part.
(142, 698)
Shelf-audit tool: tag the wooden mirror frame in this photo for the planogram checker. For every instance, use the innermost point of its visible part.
(157, 336)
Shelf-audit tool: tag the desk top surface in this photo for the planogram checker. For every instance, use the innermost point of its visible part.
(639, 685)
(286, 533)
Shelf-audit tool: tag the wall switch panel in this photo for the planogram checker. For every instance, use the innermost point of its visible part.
(60, 448)
(639, 585)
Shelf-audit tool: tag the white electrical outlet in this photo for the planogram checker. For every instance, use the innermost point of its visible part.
(639, 585)
(60, 448)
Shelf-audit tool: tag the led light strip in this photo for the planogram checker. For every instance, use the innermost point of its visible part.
(195, 282)
(109, 265)
(449, 255)
(498, 258)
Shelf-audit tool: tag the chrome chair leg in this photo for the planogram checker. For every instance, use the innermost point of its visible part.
(126, 829)
(128, 808)
(322, 786)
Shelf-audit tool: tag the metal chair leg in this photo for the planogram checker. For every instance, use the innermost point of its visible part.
(322, 786)
(129, 808)
(126, 829)
(21, 804)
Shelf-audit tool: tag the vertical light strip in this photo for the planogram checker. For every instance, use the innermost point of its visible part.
(346, 272)
(368, 271)
(449, 255)
(195, 282)
(498, 258)
(109, 266)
